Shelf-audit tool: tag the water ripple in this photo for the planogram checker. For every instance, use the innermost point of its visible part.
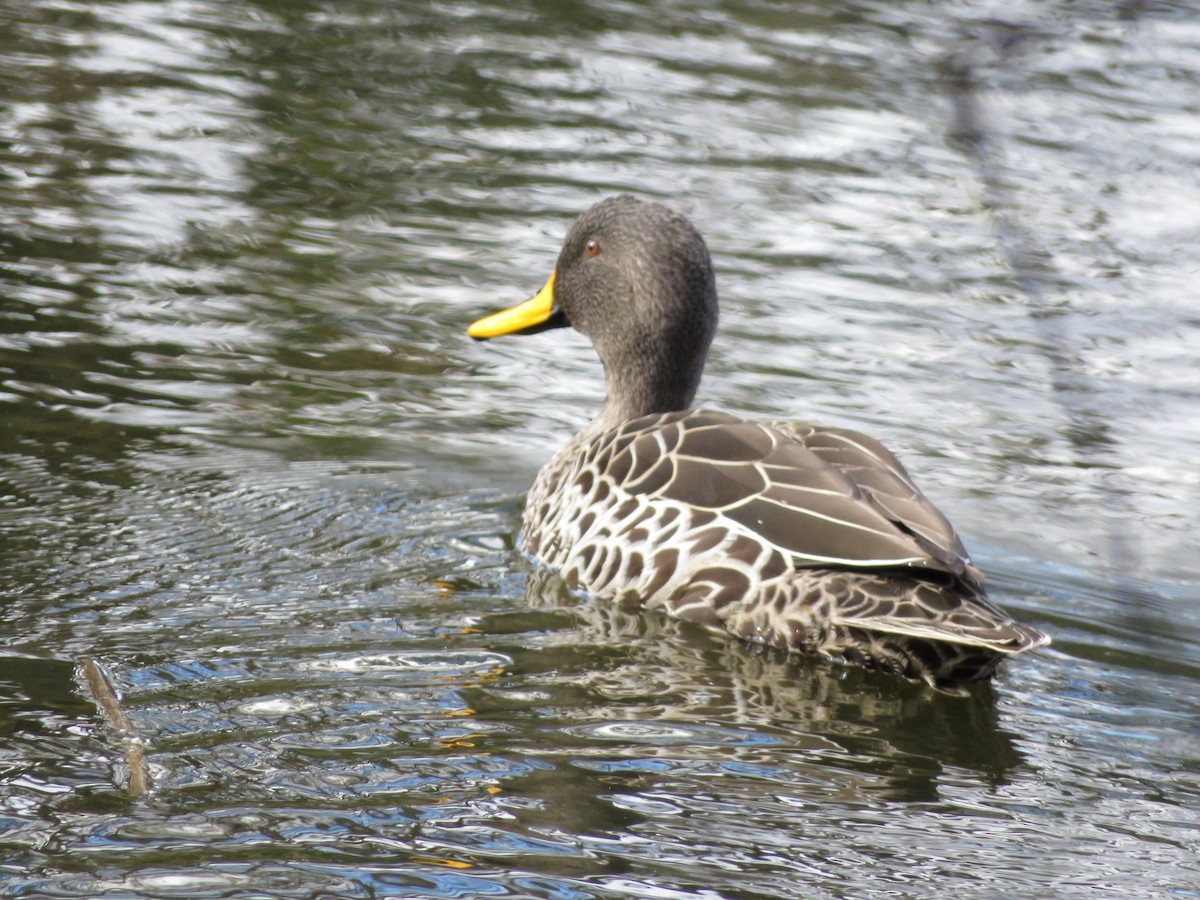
(251, 463)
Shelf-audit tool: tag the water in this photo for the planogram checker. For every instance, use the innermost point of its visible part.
(251, 464)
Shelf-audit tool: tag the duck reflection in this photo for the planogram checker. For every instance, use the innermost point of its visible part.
(634, 677)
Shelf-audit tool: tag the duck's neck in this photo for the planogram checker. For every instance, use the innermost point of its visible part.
(646, 387)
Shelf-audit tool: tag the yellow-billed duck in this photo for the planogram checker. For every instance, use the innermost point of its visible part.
(794, 534)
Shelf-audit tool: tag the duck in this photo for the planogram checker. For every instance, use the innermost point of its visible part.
(792, 534)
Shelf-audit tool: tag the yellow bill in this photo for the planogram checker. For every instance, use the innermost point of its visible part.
(534, 315)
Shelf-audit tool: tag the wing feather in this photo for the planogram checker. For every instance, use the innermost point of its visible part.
(824, 496)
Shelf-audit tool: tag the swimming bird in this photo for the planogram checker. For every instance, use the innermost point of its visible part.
(788, 533)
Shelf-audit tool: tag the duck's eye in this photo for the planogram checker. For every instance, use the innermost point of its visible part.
(592, 247)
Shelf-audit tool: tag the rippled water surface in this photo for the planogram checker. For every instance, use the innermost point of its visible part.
(251, 465)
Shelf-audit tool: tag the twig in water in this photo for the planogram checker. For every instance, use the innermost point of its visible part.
(99, 685)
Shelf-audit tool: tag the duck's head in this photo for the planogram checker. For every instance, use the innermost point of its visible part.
(636, 278)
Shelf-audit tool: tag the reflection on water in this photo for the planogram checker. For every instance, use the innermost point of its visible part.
(250, 462)
(845, 711)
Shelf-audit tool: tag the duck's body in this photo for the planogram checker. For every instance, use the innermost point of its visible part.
(789, 533)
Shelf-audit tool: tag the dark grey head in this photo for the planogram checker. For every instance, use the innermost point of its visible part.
(636, 278)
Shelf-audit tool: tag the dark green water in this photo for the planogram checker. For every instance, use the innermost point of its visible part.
(250, 461)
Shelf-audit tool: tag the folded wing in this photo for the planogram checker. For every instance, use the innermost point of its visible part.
(825, 497)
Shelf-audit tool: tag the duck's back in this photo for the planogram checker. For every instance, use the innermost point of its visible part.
(790, 533)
